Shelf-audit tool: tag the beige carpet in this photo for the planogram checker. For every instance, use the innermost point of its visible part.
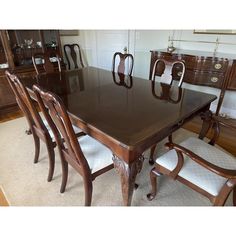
(25, 184)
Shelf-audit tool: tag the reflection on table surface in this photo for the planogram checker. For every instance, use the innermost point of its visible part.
(128, 113)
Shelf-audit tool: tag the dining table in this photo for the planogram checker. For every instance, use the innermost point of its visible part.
(124, 113)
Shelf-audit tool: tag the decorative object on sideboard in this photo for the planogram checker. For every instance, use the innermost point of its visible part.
(170, 47)
(28, 43)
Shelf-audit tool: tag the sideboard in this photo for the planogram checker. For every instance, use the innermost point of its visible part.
(216, 70)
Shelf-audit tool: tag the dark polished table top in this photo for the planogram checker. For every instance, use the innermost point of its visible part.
(129, 114)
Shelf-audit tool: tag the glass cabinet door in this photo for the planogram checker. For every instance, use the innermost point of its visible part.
(24, 44)
(3, 58)
(51, 43)
(50, 39)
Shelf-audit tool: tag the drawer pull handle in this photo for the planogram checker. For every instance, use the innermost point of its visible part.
(218, 66)
(214, 79)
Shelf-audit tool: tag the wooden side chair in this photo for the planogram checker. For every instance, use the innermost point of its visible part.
(39, 126)
(123, 58)
(71, 51)
(43, 64)
(168, 71)
(86, 155)
(199, 165)
(23, 108)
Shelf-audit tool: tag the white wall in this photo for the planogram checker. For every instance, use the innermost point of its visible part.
(142, 41)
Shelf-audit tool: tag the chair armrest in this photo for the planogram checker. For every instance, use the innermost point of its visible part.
(213, 168)
(223, 122)
(216, 123)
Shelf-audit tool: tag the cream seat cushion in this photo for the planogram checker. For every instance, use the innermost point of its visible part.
(97, 155)
(195, 173)
(76, 129)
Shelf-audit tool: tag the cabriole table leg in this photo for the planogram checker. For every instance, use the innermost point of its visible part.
(128, 174)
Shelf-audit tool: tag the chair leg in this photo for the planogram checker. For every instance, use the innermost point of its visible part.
(51, 157)
(64, 165)
(88, 187)
(151, 160)
(153, 178)
(223, 195)
(37, 147)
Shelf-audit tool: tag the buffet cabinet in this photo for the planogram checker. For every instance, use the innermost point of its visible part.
(16, 50)
(201, 68)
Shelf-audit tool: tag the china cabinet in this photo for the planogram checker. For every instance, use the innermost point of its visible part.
(16, 50)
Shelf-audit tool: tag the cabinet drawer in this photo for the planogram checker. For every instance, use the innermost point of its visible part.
(210, 79)
(210, 65)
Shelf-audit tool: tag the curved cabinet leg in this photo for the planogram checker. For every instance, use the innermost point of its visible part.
(128, 174)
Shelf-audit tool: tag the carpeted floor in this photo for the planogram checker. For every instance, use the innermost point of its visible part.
(25, 183)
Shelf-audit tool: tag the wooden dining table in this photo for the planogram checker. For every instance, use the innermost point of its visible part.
(123, 113)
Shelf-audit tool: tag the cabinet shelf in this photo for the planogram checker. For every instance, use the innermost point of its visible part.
(16, 50)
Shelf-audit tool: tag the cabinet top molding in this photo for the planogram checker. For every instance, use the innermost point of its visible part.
(215, 31)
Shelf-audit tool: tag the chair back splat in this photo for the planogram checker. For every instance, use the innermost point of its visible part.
(169, 71)
(71, 51)
(125, 60)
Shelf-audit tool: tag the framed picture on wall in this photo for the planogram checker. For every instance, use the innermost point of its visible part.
(69, 32)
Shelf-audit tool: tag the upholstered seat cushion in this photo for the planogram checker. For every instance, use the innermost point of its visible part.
(97, 155)
(194, 172)
(76, 129)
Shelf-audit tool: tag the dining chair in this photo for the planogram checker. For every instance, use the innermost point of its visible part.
(125, 60)
(168, 71)
(43, 62)
(23, 108)
(86, 155)
(201, 166)
(71, 51)
(39, 126)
